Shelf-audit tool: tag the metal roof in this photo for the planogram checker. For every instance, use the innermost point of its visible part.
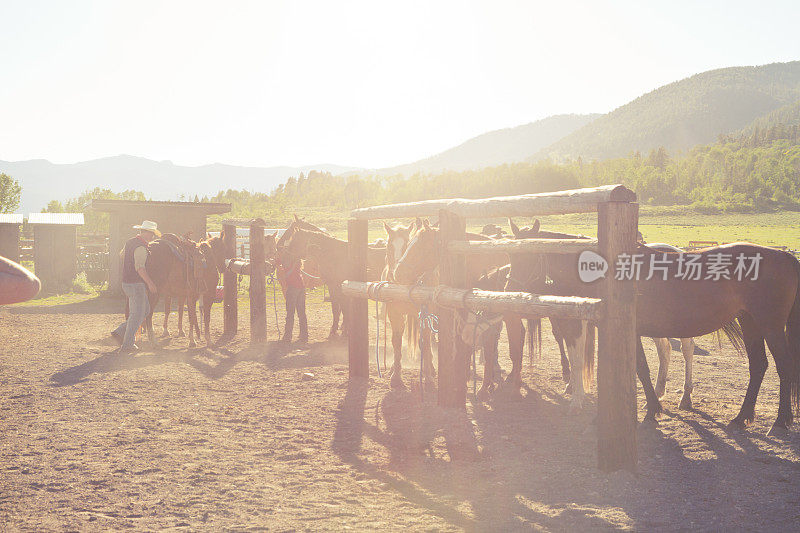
(118, 205)
(63, 219)
(10, 218)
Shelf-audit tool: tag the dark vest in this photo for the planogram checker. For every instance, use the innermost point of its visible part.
(129, 274)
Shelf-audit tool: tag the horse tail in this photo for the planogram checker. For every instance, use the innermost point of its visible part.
(588, 357)
(793, 340)
(534, 339)
(733, 330)
(411, 333)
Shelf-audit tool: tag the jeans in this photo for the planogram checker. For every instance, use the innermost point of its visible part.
(296, 302)
(138, 307)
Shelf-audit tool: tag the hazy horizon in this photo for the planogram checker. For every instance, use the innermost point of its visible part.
(358, 84)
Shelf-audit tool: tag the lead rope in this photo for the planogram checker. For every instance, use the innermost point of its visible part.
(373, 290)
(271, 280)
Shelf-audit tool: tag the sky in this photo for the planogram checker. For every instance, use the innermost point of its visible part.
(368, 84)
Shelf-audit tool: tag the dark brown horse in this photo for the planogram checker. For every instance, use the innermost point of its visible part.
(17, 284)
(422, 258)
(190, 271)
(330, 257)
(767, 305)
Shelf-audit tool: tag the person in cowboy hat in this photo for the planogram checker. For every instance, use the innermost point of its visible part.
(135, 284)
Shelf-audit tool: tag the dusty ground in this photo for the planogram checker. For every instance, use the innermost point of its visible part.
(233, 438)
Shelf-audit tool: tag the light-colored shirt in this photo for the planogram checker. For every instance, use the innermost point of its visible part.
(139, 257)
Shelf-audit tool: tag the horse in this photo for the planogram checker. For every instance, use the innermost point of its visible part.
(17, 283)
(422, 258)
(192, 274)
(767, 306)
(313, 278)
(403, 316)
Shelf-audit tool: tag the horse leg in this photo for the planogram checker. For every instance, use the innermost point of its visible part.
(664, 350)
(208, 301)
(191, 304)
(398, 322)
(565, 374)
(429, 373)
(181, 302)
(167, 305)
(757, 361)
(576, 348)
(152, 301)
(687, 348)
(336, 310)
(490, 350)
(516, 338)
(779, 348)
(643, 372)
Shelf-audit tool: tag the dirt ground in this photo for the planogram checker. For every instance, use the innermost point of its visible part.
(234, 437)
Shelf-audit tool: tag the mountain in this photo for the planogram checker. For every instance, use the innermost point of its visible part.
(43, 181)
(508, 145)
(683, 114)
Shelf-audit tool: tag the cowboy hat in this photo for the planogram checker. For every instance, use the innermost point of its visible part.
(149, 225)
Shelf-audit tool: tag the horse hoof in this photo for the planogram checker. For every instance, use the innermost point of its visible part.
(192, 344)
(575, 408)
(396, 383)
(649, 421)
(686, 403)
(181, 333)
(736, 425)
(779, 430)
(483, 393)
(568, 389)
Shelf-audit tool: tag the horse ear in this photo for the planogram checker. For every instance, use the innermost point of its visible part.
(296, 218)
(426, 223)
(418, 223)
(514, 228)
(535, 227)
(387, 227)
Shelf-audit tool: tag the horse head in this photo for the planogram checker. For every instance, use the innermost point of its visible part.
(421, 254)
(396, 242)
(216, 251)
(527, 269)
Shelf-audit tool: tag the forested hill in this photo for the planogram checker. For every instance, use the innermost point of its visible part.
(494, 148)
(684, 114)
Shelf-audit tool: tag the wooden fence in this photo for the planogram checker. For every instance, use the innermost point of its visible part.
(257, 270)
(614, 313)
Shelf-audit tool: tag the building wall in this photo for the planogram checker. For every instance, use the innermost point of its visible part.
(9, 241)
(55, 255)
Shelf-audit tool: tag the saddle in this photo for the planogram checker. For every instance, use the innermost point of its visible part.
(193, 260)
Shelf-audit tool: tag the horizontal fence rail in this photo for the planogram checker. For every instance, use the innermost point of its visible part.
(516, 246)
(551, 203)
(522, 303)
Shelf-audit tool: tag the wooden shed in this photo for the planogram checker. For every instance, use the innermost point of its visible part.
(55, 247)
(9, 235)
(172, 217)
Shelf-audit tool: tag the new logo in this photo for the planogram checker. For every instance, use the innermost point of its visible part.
(591, 266)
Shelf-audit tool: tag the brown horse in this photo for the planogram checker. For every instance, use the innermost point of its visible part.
(669, 305)
(17, 284)
(192, 275)
(330, 255)
(403, 316)
(422, 258)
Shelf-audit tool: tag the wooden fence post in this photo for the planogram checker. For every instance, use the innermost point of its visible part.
(452, 356)
(258, 283)
(357, 321)
(229, 281)
(617, 224)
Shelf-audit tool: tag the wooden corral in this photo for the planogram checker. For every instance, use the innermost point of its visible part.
(55, 247)
(614, 313)
(9, 235)
(172, 217)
